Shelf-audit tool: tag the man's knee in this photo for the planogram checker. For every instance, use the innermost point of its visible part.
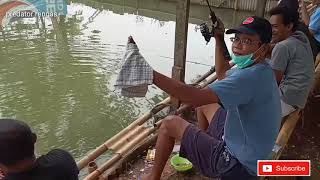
(208, 110)
(203, 109)
(164, 128)
(173, 126)
(199, 110)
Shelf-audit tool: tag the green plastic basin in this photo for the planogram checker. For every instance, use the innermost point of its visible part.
(180, 164)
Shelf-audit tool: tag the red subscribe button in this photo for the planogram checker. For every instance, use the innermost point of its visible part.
(283, 167)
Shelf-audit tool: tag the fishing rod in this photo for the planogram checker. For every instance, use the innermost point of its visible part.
(207, 34)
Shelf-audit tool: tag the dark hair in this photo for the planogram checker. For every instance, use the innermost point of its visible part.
(288, 16)
(16, 141)
(292, 5)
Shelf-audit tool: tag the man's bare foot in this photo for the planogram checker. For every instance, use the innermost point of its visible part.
(130, 40)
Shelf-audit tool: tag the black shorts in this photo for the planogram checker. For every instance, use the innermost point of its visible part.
(208, 152)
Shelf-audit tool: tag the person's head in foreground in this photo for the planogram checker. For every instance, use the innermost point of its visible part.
(283, 23)
(249, 40)
(16, 145)
(18, 160)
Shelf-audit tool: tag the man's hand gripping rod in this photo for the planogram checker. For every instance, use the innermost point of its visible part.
(207, 34)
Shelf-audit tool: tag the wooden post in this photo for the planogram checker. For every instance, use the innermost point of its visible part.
(180, 48)
(42, 22)
(235, 5)
(260, 7)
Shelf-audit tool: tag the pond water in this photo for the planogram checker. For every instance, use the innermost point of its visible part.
(57, 74)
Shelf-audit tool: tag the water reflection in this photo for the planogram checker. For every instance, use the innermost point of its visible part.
(58, 73)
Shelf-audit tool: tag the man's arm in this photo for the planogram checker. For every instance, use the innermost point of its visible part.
(269, 51)
(192, 95)
(185, 93)
(279, 75)
(279, 61)
(304, 13)
(314, 26)
(221, 63)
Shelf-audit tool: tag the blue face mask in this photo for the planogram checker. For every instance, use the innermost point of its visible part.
(242, 61)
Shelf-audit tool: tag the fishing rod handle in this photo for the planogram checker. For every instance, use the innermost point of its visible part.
(225, 51)
(215, 23)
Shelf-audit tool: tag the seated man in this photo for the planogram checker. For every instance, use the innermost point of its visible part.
(250, 114)
(293, 7)
(18, 161)
(313, 21)
(291, 60)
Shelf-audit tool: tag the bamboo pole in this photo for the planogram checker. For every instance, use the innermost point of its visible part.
(260, 7)
(286, 131)
(210, 72)
(236, 5)
(91, 156)
(214, 77)
(203, 77)
(140, 137)
(92, 166)
(181, 34)
(105, 146)
(94, 175)
(180, 45)
(130, 156)
(127, 138)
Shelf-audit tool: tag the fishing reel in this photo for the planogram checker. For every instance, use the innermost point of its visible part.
(206, 33)
(204, 29)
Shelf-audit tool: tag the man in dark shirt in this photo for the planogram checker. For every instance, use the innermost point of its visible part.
(18, 161)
